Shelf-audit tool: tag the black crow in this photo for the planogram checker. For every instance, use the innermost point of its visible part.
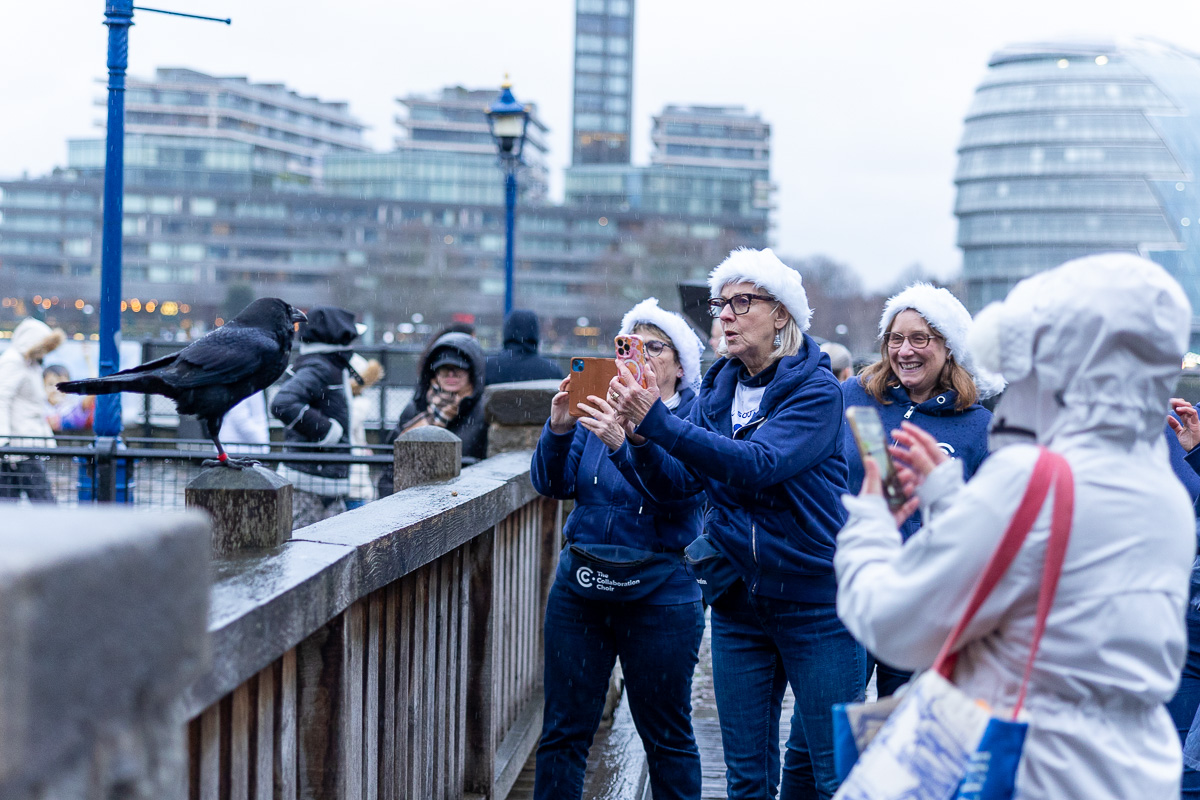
(216, 372)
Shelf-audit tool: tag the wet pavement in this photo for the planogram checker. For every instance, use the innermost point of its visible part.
(617, 763)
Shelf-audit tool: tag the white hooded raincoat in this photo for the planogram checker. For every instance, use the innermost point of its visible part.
(1091, 351)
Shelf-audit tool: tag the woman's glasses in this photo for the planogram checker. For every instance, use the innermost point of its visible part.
(740, 303)
(654, 347)
(918, 341)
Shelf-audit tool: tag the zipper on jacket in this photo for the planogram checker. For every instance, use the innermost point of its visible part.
(910, 411)
(754, 552)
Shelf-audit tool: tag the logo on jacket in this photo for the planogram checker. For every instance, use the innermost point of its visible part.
(946, 448)
(583, 576)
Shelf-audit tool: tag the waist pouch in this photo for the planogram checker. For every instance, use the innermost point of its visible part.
(714, 571)
(616, 573)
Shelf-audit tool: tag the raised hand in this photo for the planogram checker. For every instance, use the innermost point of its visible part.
(561, 420)
(628, 397)
(603, 421)
(873, 484)
(1188, 432)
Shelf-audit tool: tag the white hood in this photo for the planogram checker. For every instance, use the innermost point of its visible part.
(1093, 347)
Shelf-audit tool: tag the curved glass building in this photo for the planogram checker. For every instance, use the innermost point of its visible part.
(1081, 148)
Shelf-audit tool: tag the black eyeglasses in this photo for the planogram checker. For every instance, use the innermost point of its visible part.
(919, 341)
(740, 303)
(654, 347)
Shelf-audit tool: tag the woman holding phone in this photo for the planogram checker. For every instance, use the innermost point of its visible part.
(926, 375)
(1091, 351)
(622, 589)
(764, 441)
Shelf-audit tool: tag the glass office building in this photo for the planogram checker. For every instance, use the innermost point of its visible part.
(445, 153)
(603, 101)
(1080, 148)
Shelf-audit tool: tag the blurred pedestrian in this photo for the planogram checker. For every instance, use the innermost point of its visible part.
(651, 615)
(246, 427)
(314, 407)
(1091, 351)
(764, 441)
(925, 375)
(362, 407)
(449, 395)
(840, 362)
(23, 420)
(66, 413)
(519, 361)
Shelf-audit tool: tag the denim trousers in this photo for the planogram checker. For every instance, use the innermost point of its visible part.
(1184, 704)
(658, 648)
(759, 645)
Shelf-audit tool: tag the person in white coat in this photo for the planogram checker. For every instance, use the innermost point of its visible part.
(23, 421)
(1091, 351)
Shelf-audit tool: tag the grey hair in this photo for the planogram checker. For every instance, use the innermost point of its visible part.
(791, 338)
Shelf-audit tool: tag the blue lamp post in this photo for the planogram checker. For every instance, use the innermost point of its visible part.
(508, 121)
(118, 16)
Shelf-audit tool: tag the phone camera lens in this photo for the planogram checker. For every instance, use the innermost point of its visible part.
(576, 365)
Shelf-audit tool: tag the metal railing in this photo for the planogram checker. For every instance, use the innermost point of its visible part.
(151, 473)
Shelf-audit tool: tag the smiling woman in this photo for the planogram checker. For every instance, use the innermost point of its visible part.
(927, 376)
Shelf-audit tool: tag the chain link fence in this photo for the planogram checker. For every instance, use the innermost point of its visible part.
(151, 474)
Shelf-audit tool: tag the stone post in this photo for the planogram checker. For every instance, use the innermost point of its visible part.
(249, 507)
(103, 624)
(516, 413)
(426, 455)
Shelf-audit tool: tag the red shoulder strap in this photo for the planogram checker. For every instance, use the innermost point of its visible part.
(1049, 468)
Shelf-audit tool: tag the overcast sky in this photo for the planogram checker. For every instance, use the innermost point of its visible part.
(865, 98)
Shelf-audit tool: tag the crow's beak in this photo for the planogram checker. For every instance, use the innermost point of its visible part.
(298, 316)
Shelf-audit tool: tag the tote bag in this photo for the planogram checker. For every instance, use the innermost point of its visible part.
(935, 742)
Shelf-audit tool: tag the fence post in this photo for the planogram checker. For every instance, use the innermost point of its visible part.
(249, 507)
(102, 634)
(480, 772)
(425, 455)
(106, 469)
(516, 413)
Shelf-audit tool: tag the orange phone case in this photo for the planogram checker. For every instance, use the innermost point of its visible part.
(631, 350)
(589, 376)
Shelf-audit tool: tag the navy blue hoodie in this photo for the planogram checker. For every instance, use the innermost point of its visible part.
(608, 510)
(775, 490)
(961, 434)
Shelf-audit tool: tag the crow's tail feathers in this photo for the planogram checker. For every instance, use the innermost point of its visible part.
(111, 384)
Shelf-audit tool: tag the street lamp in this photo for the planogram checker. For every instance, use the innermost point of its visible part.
(508, 121)
(118, 16)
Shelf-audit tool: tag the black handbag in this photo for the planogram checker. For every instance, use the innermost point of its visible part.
(616, 573)
(713, 570)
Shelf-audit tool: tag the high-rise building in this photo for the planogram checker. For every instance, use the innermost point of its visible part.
(444, 153)
(189, 129)
(705, 161)
(603, 104)
(1071, 149)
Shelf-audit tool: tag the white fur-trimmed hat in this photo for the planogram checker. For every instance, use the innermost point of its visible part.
(687, 344)
(764, 269)
(945, 314)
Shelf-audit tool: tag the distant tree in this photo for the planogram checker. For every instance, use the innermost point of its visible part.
(237, 297)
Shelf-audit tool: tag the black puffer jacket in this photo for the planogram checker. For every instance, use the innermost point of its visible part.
(470, 424)
(314, 404)
(520, 360)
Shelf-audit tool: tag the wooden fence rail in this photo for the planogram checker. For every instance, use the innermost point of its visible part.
(390, 653)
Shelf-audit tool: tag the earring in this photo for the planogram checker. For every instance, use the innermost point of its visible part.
(778, 341)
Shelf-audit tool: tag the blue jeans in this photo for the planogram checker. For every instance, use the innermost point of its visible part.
(658, 648)
(759, 645)
(1183, 705)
